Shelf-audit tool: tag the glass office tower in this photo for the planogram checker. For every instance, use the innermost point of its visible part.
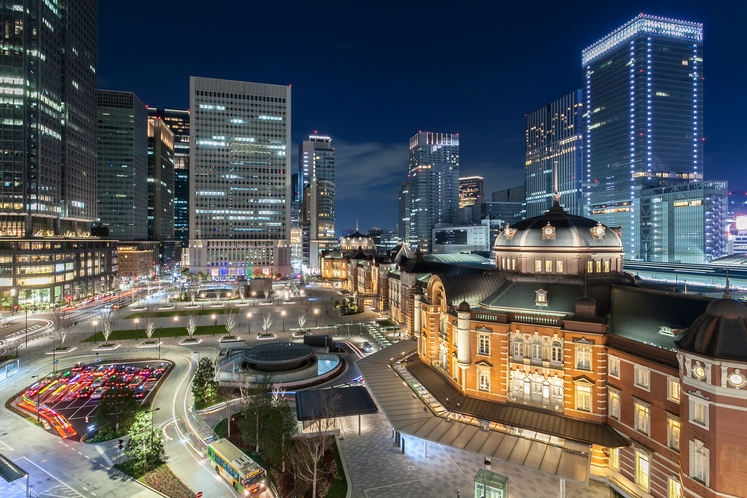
(643, 127)
(122, 165)
(554, 137)
(160, 180)
(316, 166)
(434, 184)
(240, 172)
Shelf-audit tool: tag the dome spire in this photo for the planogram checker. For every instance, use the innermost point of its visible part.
(556, 207)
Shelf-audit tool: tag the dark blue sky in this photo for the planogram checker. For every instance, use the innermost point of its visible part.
(371, 74)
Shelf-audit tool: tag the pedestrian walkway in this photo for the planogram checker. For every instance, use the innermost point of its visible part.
(378, 469)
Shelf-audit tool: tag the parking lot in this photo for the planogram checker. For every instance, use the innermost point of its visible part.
(67, 400)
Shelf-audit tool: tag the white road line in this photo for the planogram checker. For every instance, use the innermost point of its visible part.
(103, 454)
(50, 475)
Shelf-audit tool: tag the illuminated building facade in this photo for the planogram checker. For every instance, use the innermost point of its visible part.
(403, 215)
(316, 166)
(434, 184)
(461, 239)
(554, 139)
(687, 222)
(122, 165)
(471, 191)
(643, 126)
(160, 180)
(177, 121)
(240, 172)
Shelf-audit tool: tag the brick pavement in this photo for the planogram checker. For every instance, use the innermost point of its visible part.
(378, 469)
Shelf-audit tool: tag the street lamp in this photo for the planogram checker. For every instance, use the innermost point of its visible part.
(151, 429)
(249, 322)
(27, 326)
(38, 398)
(485, 480)
(176, 301)
(316, 317)
(176, 319)
(137, 320)
(95, 324)
(282, 313)
(215, 322)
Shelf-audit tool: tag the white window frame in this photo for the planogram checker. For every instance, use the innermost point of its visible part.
(483, 341)
(483, 374)
(614, 459)
(585, 392)
(699, 461)
(556, 358)
(642, 377)
(674, 432)
(613, 403)
(537, 349)
(518, 343)
(699, 411)
(642, 470)
(584, 354)
(613, 366)
(642, 416)
(674, 393)
(674, 488)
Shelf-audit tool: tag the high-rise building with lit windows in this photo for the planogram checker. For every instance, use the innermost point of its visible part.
(471, 191)
(316, 166)
(554, 141)
(160, 180)
(643, 121)
(434, 185)
(240, 172)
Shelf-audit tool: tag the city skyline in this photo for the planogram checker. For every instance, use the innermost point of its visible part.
(371, 113)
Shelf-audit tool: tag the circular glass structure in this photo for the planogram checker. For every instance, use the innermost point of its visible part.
(278, 357)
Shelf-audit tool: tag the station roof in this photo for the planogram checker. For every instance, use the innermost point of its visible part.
(354, 400)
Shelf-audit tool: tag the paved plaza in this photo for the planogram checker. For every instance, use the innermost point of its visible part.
(378, 469)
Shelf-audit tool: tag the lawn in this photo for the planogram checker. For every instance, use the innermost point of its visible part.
(139, 334)
(161, 479)
(184, 312)
(339, 486)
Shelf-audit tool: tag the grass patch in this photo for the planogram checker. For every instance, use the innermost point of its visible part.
(139, 334)
(339, 486)
(160, 478)
(182, 312)
(212, 400)
(386, 323)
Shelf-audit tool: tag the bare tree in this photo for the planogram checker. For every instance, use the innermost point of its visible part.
(108, 318)
(191, 323)
(242, 292)
(230, 317)
(150, 320)
(192, 296)
(62, 325)
(266, 321)
(302, 319)
(316, 439)
(266, 292)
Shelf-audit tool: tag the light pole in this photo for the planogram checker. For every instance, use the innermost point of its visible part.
(316, 318)
(249, 322)
(38, 399)
(150, 450)
(54, 352)
(176, 319)
(215, 322)
(137, 320)
(282, 314)
(485, 480)
(27, 326)
(95, 324)
(176, 302)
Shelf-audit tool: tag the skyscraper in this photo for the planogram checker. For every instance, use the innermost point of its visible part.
(471, 191)
(643, 100)
(122, 165)
(554, 137)
(434, 184)
(403, 217)
(240, 172)
(160, 180)
(178, 122)
(316, 166)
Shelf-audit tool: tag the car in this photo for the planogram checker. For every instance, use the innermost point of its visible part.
(99, 393)
(90, 300)
(367, 347)
(85, 392)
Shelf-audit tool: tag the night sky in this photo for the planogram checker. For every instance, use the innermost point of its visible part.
(371, 74)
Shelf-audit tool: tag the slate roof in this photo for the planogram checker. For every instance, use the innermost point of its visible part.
(471, 288)
(720, 332)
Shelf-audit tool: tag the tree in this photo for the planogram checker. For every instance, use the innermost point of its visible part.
(302, 319)
(204, 385)
(266, 322)
(309, 449)
(242, 292)
(278, 429)
(117, 404)
(150, 322)
(144, 447)
(267, 293)
(61, 324)
(191, 323)
(230, 318)
(108, 317)
(192, 296)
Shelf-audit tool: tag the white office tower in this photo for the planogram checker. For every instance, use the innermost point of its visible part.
(240, 170)
(316, 167)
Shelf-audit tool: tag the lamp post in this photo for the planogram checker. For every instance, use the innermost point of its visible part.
(27, 326)
(215, 322)
(202, 296)
(38, 398)
(249, 322)
(316, 318)
(282, 314)
(150, 450)
(176, 302)
(176, 319)
(95, 324)
(485, 480)
(137, 320)
(54, 352)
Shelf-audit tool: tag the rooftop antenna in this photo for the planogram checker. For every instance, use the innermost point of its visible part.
(727, 292)
(356, 224)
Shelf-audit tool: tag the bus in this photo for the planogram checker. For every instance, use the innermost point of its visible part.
(244, 474)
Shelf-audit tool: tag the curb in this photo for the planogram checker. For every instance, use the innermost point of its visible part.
(344, 467)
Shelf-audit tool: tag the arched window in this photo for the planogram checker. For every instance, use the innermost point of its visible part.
(537, 349)
(556, 352)
(519, 347)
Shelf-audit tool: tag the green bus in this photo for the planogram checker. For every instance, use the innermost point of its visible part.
(244, 474)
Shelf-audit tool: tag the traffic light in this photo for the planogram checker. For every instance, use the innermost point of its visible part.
(120, 444)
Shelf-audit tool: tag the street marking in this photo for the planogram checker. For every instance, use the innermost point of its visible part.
(5, 447)
(53, 477)
(103, 454)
